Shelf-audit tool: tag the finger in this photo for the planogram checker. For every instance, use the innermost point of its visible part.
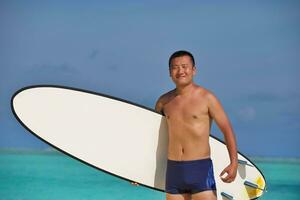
(231, 178)
(134, 183)
(224, 179)
(223, 172)
(227, 179)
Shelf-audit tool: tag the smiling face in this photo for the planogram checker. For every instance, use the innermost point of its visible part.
(182, 70)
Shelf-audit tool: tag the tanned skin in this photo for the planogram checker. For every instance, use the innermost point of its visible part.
(190, 110)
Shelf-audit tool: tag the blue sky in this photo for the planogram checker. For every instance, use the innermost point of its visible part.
(247, 53)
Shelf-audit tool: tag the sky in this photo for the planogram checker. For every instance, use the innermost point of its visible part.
(246, 53)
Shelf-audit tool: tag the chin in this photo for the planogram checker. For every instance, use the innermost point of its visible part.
(182, 83)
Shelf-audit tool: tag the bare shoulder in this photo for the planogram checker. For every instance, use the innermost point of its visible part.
(212, 101)
(206, 94)
(162, 100)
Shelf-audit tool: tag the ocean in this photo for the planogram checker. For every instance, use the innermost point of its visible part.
(50, 175)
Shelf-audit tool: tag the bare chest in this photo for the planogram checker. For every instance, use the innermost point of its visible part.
(189, 109)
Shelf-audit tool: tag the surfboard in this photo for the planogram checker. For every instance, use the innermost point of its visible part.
(119, 137)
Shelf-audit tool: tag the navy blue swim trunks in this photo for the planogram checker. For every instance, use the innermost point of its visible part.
(190, 176)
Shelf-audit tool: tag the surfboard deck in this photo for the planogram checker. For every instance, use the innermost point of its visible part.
(118, 137)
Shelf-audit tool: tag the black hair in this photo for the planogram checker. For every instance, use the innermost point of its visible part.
(180, 54)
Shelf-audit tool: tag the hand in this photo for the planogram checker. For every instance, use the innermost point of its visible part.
(231, 171)
(134, 184)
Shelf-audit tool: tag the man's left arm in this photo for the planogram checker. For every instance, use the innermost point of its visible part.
(217, 112)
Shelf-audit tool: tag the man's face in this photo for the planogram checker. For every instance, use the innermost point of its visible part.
(182, 70)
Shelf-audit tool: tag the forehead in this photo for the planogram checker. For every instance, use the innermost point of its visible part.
(181, 60)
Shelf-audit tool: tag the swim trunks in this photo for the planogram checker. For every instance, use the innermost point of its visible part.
(190, 176)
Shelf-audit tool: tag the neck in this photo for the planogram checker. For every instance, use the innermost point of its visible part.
(183, 90)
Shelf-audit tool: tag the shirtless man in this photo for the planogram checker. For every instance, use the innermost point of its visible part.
(190, 110)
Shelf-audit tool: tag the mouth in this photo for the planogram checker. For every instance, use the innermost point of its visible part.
(180, 77)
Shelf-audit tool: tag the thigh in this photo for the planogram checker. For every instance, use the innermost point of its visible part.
(178, 196)
(206, 195)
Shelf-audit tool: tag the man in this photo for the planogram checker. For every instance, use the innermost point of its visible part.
(190, 110)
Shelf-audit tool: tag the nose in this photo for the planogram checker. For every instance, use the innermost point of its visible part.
(180, 70)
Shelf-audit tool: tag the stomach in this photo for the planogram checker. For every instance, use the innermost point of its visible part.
(191, 150)
(188, 141)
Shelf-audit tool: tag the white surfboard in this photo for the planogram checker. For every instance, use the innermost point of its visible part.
(118, 137)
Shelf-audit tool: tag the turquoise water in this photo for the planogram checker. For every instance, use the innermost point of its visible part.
(28, 175)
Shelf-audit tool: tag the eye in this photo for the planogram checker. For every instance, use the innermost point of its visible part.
(174, 67)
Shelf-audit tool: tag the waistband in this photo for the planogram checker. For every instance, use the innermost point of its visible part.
(189, 161)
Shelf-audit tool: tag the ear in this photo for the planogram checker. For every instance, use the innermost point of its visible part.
(194, 70)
